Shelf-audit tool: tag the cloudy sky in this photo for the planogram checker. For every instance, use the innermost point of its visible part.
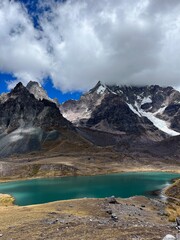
(79, 42)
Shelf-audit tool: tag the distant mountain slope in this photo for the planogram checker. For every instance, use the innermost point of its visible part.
(130, 119)
(114, 115)
(81, 110)
(127, 109)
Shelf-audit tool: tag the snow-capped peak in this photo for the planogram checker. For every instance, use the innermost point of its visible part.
(101, 89)
(159, 104)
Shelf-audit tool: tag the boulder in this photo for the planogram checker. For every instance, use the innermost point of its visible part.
(169, 237)
(114, 217)
(112, 200)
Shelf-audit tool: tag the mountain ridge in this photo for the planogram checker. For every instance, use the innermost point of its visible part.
(26, 122)
(152, 102)
(104, 116)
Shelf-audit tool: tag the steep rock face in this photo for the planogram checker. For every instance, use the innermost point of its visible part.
(38, 92)
(153, 105)
(154, 102)
(78, 112)
(119, 117)
(25, 121)
(3, 97)
(22, 109)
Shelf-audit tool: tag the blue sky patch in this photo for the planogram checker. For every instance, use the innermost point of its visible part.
(48, 86)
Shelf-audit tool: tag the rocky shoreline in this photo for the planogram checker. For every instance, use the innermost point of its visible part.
(47, 169)
(132, 218)
(91, 218)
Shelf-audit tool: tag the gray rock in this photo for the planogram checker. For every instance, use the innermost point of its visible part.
(109, 211)
(178, 223)
(169, 237)
(114, 217)
(112, 200)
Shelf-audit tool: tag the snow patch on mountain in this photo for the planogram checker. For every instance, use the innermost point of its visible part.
(15, 138)
(161, 110)
(159, 123)
(101, 89)
(146, 100)
(134, 110)
(21, 132)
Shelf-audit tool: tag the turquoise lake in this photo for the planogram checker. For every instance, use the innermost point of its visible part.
(120, 185)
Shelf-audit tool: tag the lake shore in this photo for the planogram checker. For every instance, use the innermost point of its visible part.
(112, 168)
(172, 193)
(87, 218)
(85, 163)
(123, 185)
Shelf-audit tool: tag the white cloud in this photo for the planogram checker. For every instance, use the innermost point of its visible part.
(80, 42)
(22, 47)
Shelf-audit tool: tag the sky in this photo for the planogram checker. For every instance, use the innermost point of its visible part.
(73, 44)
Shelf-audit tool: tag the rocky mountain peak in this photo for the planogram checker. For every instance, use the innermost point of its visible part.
(22, 109)
(36, 89)
(99, 88)
(76, 111)
(25, 121)
(19, 89)
(39, 92)
(32, 84)
(18, 86)
(160, 106)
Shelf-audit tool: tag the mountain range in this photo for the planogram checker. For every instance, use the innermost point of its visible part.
(126, 109)
(127, 118)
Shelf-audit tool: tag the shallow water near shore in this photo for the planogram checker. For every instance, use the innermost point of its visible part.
(120, 185)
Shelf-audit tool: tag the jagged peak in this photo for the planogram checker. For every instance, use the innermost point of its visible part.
(19, 88)
(140, 89)
(32, 83)
(99, 88)
(37, 90)
(99, 83)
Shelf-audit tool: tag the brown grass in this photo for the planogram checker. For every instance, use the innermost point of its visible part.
(6, 200)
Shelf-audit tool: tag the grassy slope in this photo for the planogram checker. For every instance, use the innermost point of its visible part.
(173, 206)
(85, 219)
